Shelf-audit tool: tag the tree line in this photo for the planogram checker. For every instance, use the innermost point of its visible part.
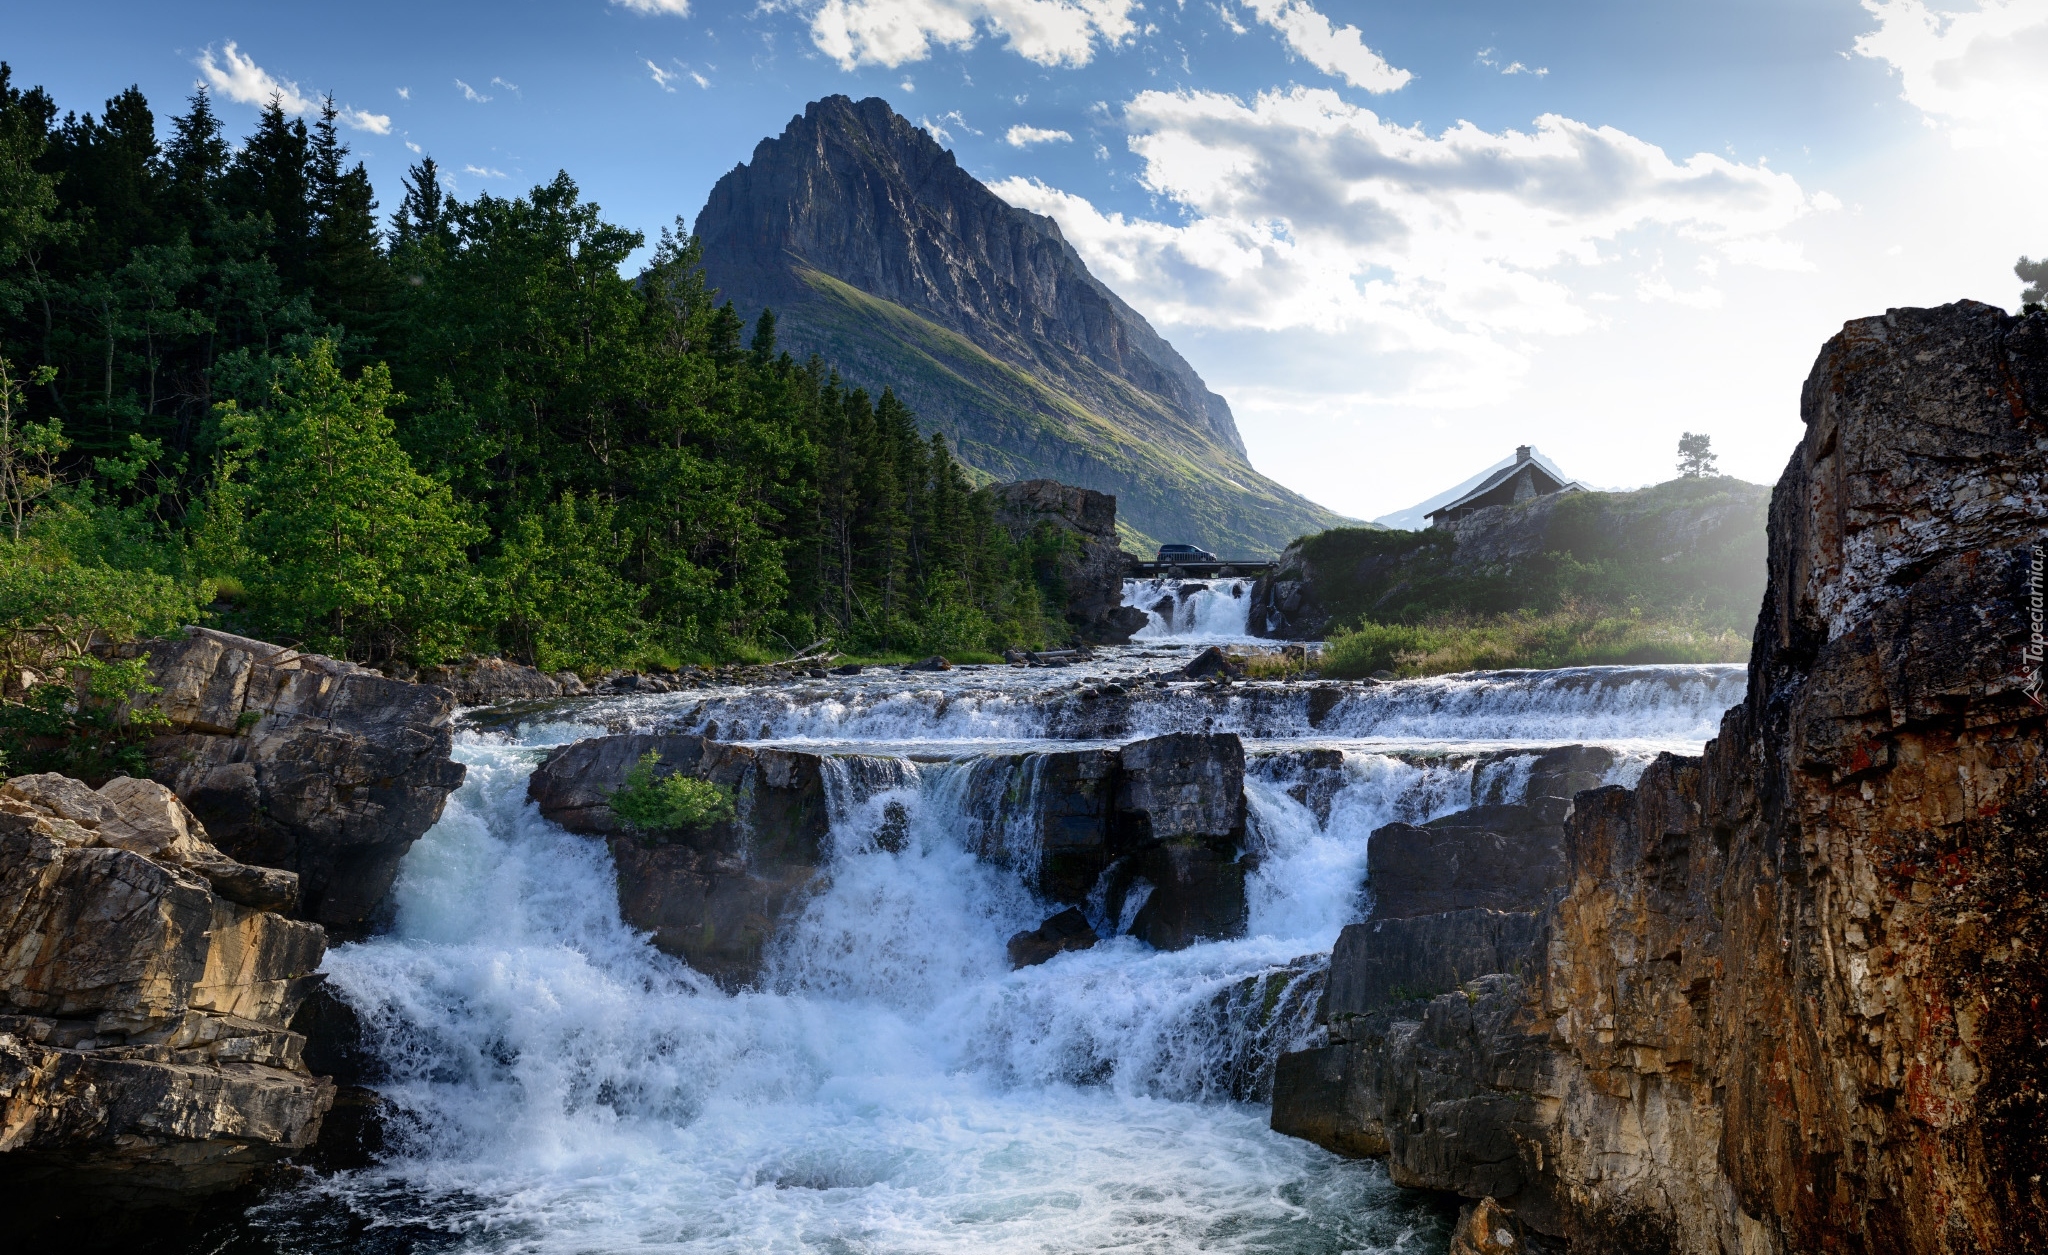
(228, 387)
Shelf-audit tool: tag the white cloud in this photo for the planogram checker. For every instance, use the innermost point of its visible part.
(664, 79)
(1307, 213)
(700, 80)
(499, 82)
(1338, 50)
(1025, 136)
(405, 93)
(893, 32)
(484, 172)
(674, 8)
(415, 147)
(1486, 59)
(471, 93)
(240, 79)
(1980, 73)
(941, 128)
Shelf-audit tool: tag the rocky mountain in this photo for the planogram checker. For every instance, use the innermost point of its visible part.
(878, 252)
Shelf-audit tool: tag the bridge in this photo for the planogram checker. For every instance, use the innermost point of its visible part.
(1222, 568)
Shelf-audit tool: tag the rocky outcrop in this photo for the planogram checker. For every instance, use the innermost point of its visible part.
(1691, 544)
(494, 681)
(1089, 565)
(144, 1048)
(303, 763)
(715, 897)
(877, 251)
(1788, 1000)
(1069, 930)
(1179, 827)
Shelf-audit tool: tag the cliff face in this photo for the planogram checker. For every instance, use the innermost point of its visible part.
(875, 249)
(1789, 1000)
(144, 1053)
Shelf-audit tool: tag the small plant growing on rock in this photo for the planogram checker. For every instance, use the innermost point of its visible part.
(654, 805)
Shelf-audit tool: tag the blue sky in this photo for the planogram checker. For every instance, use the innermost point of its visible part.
(1399, 238)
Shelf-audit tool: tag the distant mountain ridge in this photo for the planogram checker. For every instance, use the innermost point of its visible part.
(878, 252)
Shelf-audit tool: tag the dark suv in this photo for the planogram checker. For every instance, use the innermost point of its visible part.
(1185, 553)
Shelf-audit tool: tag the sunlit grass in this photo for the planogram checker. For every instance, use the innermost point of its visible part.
(1565, 638)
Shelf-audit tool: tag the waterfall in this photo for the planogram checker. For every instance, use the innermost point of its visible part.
(890, 1083)
(1195, 610)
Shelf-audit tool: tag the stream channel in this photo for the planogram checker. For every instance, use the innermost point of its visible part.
(892, 1085)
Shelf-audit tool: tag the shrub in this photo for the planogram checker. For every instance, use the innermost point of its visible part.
(653, 804)
(1566, 638)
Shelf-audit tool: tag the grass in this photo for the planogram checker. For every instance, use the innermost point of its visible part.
(1565, 638)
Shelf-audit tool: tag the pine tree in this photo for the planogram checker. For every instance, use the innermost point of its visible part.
(2035, 275)
(271, 179)
(348, 272)
(420, 216)
(1695, 456)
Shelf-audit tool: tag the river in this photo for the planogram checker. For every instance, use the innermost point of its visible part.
(892, 1086)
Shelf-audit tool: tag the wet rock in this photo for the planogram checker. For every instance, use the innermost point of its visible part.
(1090, 566)
(1384, 962)
(490, 681)
(854, 668)
(1502, 858)
(1076, 792)
(1179, 823)
(302, 763)
(1212, 662)
(716, 897)
(1069, 930)
(144, 1053)
(933, 663)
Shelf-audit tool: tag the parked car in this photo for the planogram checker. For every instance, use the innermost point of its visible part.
(1185, 553)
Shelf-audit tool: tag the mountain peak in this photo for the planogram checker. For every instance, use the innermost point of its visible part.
(877, 250)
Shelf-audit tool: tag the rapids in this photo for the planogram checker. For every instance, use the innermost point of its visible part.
(892, 1086)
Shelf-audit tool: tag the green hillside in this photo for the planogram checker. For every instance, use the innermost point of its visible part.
(1171, 482)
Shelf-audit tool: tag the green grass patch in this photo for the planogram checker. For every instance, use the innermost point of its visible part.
(1562, 638)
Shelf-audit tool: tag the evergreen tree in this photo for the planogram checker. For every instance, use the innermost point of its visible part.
(1696, 457)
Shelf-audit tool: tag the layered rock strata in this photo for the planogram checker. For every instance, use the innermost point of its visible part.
(145, 994)
(1789, 998)
(305, 763)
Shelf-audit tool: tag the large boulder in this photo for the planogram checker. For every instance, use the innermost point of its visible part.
(1089, 566)
(1179, 825)
(304, 763)
(145, 1053)
(714, 898)
(494, 681)
(1500, 857)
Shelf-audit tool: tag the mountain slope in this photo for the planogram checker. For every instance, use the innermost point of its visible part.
(878, 252)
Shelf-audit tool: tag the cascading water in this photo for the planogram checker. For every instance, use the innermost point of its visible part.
(892, 1085)
(1202, 610)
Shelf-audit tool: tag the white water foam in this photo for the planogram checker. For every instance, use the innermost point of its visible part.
(1192, 610)
(895, 1088)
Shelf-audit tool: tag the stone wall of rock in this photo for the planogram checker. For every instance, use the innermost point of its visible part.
(1092, 568)
(296, 761)
(1790, 998)
(144, 1002)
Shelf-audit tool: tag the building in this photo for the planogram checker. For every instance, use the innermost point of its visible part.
(1522, 480)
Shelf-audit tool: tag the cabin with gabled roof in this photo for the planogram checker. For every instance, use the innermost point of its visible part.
(1524, 480)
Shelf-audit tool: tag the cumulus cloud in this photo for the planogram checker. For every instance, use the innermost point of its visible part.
(1025, 136)
(240, 79)
(1976, 72)
(893, 32)
(654, 8)
(1337, 50)
(1303, 211)
(1486, 58)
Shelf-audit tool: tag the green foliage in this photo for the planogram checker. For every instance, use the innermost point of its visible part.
(53, 609)
(473, 433)
(88, 719)
(1565, 638)
(655, 805)
(1686, 549)
(340, 543)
